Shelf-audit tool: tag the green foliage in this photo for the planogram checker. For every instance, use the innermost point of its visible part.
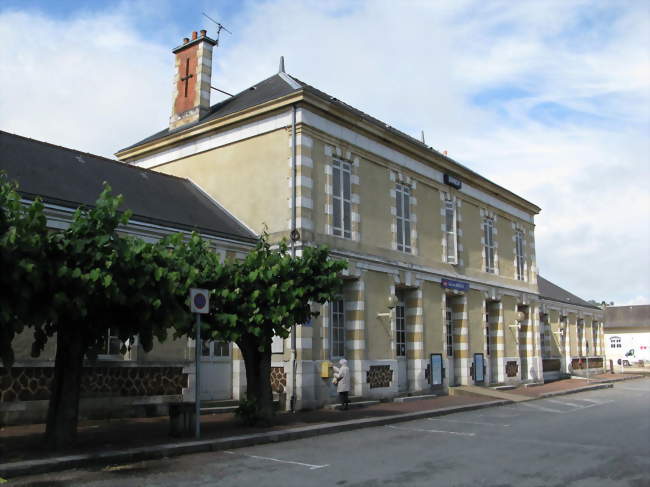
(88, 277)
(247, 412)
(23, 234)
(269, 290)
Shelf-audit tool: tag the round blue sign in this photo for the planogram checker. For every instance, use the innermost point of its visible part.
(199, 300)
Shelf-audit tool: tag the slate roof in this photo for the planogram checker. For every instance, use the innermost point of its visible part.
(622, 316)
(553, 292)
(71, 178)
(282, 84)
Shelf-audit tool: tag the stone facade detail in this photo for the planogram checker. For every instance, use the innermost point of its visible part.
(512, 368)
(34, 383)
(379, 376)
(278, 379)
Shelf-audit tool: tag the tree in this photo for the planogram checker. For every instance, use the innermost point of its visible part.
(88, 279)
(23, 234)
(262, 296)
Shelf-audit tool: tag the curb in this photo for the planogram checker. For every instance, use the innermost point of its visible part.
(154, 452)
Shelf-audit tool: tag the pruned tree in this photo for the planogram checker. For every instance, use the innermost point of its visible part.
(73, 285)
(23, 237)
(262, 296)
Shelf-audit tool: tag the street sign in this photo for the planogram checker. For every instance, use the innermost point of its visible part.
(199, 301)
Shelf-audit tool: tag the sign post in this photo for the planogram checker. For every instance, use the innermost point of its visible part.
(199, 304)
(587, 343)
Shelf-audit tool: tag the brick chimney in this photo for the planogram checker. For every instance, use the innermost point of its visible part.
(192, 80)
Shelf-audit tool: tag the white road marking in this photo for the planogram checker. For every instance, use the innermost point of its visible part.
(308, 465)
(458, 433)
(468, 422)
(564, 403)
(541, 408)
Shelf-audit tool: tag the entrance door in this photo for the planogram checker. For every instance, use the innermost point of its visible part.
(216, 371)
(449, 333)
(400, 348)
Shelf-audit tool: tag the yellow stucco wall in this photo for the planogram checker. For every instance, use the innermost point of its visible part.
(476, 322)
(250, 178)
(433, 324)
(377, 285)
(509, 318)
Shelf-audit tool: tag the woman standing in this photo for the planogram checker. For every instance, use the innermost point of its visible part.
(342, 381)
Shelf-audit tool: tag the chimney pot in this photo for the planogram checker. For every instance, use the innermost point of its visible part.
(194, 35)
(203, 32)
(185, 40)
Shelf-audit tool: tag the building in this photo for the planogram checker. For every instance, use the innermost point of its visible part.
(627, 335)
(442, 285)
(138, 382)
(571, 333)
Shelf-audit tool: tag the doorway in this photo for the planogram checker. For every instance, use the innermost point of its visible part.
(400, 347)
(216, 371)
(449, 333)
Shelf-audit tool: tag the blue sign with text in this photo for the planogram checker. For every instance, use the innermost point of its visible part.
(455, 285)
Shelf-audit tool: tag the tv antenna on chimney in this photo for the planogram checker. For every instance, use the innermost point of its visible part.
(219, 25)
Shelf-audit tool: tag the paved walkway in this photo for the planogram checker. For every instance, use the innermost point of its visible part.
(22, 449)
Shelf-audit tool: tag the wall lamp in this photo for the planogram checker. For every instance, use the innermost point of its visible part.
(391, 303)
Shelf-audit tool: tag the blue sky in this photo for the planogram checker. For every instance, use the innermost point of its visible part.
(548, 98)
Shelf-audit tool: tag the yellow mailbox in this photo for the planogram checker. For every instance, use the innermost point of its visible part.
(325, 369)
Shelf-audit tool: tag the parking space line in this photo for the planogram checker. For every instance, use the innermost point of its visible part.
(540, 408)
(468, 422)
(423, 430)
(565, 403)
(257, 457)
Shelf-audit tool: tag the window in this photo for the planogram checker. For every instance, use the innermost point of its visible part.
(450, 232)
(400, 331)
(109, 344)
(488, 235)
(615, 342)
(519, 252)
(215, 348)
(581, 335)
(403, 216)
(338, 328)
(341, 189)
(449, 324)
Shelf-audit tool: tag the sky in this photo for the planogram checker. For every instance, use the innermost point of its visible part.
(550, 99)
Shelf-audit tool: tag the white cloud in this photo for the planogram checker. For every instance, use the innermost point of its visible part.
(99, 84)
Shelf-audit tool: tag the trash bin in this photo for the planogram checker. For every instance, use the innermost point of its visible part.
(181, 419)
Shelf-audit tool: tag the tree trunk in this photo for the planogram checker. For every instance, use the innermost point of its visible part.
(258, 375)
(63, 410)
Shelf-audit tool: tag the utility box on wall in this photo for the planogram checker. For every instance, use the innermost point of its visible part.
(325, 367)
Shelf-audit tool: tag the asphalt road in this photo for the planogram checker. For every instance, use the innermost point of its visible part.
(591, 439)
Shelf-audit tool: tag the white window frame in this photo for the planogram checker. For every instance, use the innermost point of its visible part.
(215, 350)
(489, 246)
(403, 217)
(341, 198)
(337, 328)
(400, 330)
(451, 231)
(520, 255)
(107, 355)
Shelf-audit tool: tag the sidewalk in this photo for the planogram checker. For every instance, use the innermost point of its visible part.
(114, 441)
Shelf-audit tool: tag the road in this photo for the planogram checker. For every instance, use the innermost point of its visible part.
(597, 438)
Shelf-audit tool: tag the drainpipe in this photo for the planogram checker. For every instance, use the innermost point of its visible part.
(294, 234)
